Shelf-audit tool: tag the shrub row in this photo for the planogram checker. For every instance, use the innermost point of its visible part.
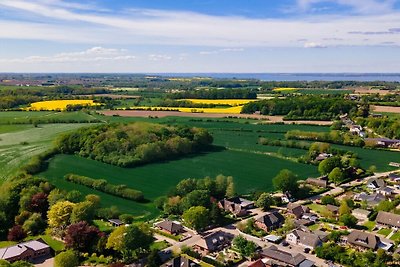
(103, 186)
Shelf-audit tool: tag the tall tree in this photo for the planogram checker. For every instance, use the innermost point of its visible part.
(197, 217)
(286, 181)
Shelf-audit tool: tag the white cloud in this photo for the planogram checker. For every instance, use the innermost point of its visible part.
(94, 54)
(314, 45)
(154, 57)
(223, 50)
(359, 6)
(56, 21)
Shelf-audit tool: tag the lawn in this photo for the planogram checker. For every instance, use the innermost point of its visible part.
(159, 245)
(395, 236)
(103, 226)
(4, 244)
(384, 231)
(317, 207)
(370, 225)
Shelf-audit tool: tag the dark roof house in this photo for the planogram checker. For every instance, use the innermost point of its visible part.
(366, 240)
(181, 262)
(236, 205)
(305, 238)
(213, 242)
(388, 219)
(284, 258)
(270, 221)
(297, 210)
(375, 183)
(170, 226)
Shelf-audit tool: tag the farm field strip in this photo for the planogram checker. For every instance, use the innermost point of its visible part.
(59, 104)
(231, 102)
(230, 110)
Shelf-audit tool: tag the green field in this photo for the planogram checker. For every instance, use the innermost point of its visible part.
(28, 117)
(21, 142)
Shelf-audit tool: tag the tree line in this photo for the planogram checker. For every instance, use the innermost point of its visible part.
(302, 107)
(216, 94)
(103, 186)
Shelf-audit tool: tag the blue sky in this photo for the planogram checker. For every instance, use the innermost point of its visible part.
(200, 36)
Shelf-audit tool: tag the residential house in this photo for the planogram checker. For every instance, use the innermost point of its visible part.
(213, 242)
(236, 205)
(310, 216)
(361, 214)
(323, 156)
(181, 262)
(334, 209)
(297, 210)
(26, 251)
(260, 263)
(394, 177)
(323, 183)
(115, 222)
(270, 221)
(371, 200)
(384, 142)
(388, 219)
(364, 240)
(305, 238)
(385, 191)
(375, 183)
(170, 227)
(277, 257)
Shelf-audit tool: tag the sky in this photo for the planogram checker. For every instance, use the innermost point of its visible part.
(193, 36)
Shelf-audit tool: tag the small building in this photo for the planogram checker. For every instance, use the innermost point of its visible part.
(384, 142)
(297, 210)
(287, 198)
(323, 183)
(270, 221)
(181, 262)
(364, 240)
(273, 238)
(170, 227)
(361, 214)
(236, 205)
(259, 263)
(388, 219)
(305, 238)
(334, 209)
(385, 191)
(375, 183)
(213, 242)
(26, 251)
(277, 257)
(323, 156)
(310, 216)
(371, 200)
(115, 222)
(394, 177)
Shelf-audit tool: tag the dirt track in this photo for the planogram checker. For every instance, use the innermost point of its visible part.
(162, 114)
(386, 109)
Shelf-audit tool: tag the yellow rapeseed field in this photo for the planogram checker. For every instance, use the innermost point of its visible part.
(231, 102)
(231, 110)
(279, 89)
(59, 104)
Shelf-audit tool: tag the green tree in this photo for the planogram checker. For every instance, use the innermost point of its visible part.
(348, 220)
(116, 239)
(264, 201)
(35, 224)
(59, 214)
(154, 259)
(344, 208)
(67, 258)
(137, 239)
(328, 199)
(197, 217)
(55, 196)
(83, 211)
(196, 198)
(286, 181)
(230, 187)
(245, 247)
(327, 165)
(336, 176)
